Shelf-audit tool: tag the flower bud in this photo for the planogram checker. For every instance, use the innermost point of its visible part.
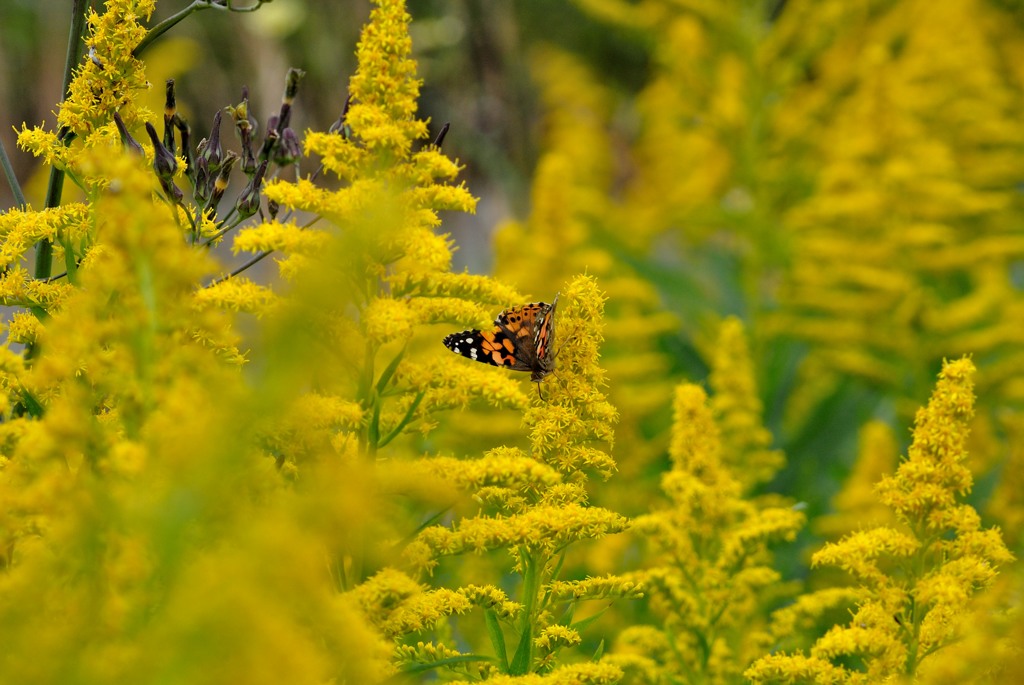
(245, 126)
(164, 162)
(288, 149)
(270, 142)
(220, 184)
(170, 111)
(291, 86)
(249, 201)
(212, 152)
(126, 138)
(185, 133)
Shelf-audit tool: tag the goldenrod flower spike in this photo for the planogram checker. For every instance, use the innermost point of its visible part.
(574, 674)
(916, 579)
(106, 82)
(737, 408)
(373, 262)
(575, 414)
(713, 563)
(534, 505)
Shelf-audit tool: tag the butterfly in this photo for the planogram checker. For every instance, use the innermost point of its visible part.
(520, 340)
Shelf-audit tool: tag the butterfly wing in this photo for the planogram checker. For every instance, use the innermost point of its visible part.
(512, 342)
(544, 334)
(494, 347)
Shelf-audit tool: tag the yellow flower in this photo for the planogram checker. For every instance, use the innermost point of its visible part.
(597, 588)
(109, 77)
(912, 606)
(554, 637)
(538, 499)
(738, 409)
(573, 674)
(713, 562)
(239, 295)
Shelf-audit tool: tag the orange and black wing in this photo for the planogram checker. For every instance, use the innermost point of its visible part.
(490, 347)
(544, 336)
(512, 342)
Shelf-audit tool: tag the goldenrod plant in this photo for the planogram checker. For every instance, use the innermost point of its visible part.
(712, 581)
(940, 556)
(534, 506)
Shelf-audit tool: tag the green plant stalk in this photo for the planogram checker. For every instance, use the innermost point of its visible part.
(369, 399)
(175, 19)
(532, 569)
(406, 420)
(55, 186)
(167, 24)
(920, 562)
(19, 197)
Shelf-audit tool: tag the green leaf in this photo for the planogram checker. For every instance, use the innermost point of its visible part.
(70, 262)
(521, 660)
(497, 636)
(385, 376)
(570, 611)
(420, 668)
(558, 566)
(426, 524)
(32, 405)
(599, 652)
(583, 623)
(373, 429)
(405, 420)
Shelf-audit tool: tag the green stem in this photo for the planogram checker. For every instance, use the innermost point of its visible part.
(167, 24)
(19, 197)
(370, 399)
(55, 187)
(173, 20)
(531, 591)
(76, 46)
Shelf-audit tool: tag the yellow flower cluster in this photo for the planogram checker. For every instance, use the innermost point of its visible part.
(374, 274)
(737, 409)
(941, 555)
(573, 674)
(714, 568)
(534, 505)
(108, 81)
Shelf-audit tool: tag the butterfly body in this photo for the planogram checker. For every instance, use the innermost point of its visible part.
(520, 340)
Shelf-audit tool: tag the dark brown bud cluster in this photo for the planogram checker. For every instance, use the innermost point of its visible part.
(208, 165)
